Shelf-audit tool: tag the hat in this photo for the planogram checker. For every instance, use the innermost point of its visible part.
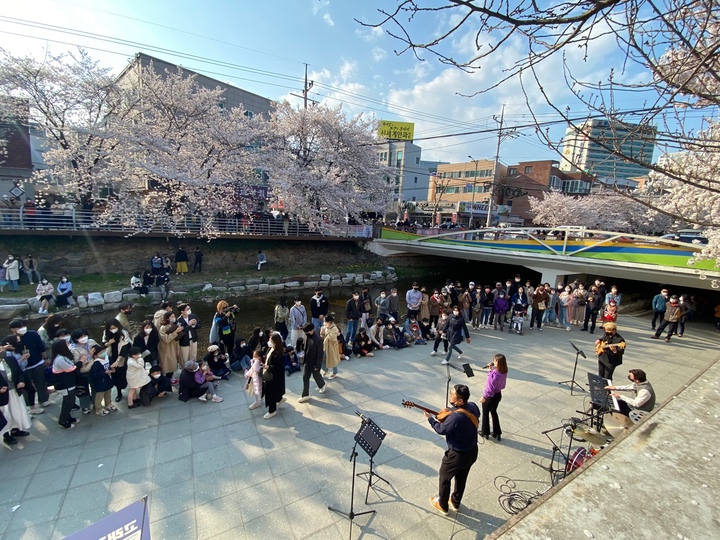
(392, 319)
(213, 348)
(471, 283)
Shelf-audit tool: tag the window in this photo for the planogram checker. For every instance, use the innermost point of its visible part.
(512, 171)
(528, 169)
(413, 198)
(398, 161)
(415, 180)
(249, 114)
(417, 162)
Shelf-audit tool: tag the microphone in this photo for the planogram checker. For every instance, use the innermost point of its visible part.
(363, 418)
(489, 365)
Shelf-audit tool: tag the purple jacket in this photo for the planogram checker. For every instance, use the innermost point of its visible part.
(501, 305)
(495, 383)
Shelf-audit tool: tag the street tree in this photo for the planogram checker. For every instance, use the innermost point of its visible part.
(668, 66)
(323, 166)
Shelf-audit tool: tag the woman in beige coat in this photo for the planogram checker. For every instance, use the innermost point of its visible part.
(169, 346)
(329, 334)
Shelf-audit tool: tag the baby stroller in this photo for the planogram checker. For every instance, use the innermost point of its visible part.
(518, 318)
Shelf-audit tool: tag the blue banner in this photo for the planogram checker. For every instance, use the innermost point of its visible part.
(130, 523)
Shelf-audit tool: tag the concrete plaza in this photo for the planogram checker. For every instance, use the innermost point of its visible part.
(222, 471)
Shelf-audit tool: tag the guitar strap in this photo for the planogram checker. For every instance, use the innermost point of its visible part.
(470, 415)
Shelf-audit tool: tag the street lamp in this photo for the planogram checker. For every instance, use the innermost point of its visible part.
(472, 204)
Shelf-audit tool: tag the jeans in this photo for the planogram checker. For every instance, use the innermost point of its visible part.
(13, 285)
(486, 314)
(243, 363)
(450, 350)
(325, 369)
(549, 316)
(317, 323)
(352, 327)
(562, 316)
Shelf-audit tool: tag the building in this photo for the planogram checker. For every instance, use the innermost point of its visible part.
(15, 156)
(234, 96)
(597, 147)
(412, 177)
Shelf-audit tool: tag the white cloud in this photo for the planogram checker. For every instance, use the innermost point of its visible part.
(320, 5)
(348, 69)
(328, 19)
(369, 33)
(378, 53)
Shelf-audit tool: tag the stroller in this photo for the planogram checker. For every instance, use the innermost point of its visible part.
(518, 318)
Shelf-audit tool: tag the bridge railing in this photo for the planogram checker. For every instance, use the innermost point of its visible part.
(72, 219)
(556, 241)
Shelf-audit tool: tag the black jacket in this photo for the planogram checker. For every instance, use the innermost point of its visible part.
(353, 309)
(313, 351)
(319, 306)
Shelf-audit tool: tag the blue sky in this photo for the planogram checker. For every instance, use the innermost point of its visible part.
(265, 44)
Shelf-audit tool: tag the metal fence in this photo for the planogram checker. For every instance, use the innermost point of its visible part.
(70, 219)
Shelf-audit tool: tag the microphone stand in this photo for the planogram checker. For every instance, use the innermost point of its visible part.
(571, 383)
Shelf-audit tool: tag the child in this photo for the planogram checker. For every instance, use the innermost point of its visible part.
(518, 318)
(300, 350)
(101, 381)
(138, 379)
(426, 330)
(292, 364)
(610, 312)
(254, 380)
(160, 382)
(415, 334)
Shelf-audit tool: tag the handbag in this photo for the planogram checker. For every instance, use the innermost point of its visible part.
(541, 305)
(267, 376)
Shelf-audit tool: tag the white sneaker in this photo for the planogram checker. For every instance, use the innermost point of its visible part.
(444, 362)
(568, 329)
(36, 410)
(203, 398)
(323, 372)
(47, 403)
(254, 405)
(347, 358)
(322, 390)
(269, 415)
(461, 357)
(433, 353)
(304, 399)
(332, 376)
(386, 347)
(217, 399)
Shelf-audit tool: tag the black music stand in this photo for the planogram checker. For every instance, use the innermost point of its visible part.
(369, 437)
(554, 472)
(464, 369)
(571, 383)
(601, 401)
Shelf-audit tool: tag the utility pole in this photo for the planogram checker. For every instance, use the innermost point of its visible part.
(472, 204)
(306, 88)
(495, 167)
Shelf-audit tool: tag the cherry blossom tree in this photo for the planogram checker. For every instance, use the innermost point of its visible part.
(324, 166)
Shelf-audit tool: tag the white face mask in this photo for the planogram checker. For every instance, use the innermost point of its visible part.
(83, 340)
(67, 338)
(172, 319)
(22, 331)
(156, 376)
(382, 296)
(148, 330)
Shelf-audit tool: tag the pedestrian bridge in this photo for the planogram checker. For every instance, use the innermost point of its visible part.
(556, 253)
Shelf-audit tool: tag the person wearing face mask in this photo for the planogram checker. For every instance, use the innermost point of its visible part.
(613, 295)
(459, 427)
(48, 330)
(440, 334)
(81, 346)
(673, 312)
(138, 379)
(500, 309)
(160, 383)
(44, 292)
(376, 334)
(148, 340)
(169, 346)
(189, 339)
(434, 308)
(580, 296)
(125, 310)
(393, 303)
(165, 307)
(117, 340)
(366, 300)
(610, 348)
(298, 320)
(31, 269)
(659, 303)
(353, 313)
(319, 306)
(281, 317)
(413, 299)
(383, 306)
(64, 377)
(33, 362)
(64, 293)
(12, 272)
(644, 399)
(12, 404)
(565, 307)
(594, 304)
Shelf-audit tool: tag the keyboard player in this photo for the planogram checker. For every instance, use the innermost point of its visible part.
(610, 349)
(644, 395)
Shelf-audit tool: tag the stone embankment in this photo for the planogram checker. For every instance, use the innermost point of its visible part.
(95, 302)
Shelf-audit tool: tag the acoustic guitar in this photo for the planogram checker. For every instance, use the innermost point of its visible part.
(604, 345)
(440, 415)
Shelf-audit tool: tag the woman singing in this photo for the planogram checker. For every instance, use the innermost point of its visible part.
(497, 376)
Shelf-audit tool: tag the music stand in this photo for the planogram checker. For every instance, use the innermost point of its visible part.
(464, 369)
(570, 430)
(369, 437)
(571, 383)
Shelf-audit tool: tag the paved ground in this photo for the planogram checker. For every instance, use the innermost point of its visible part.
(222, 471)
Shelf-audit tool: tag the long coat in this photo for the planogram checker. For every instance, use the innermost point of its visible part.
(169, 349)
(275, 389)
(330, 345)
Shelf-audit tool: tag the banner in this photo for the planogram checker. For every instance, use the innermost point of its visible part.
(130, 523)
(398, 131)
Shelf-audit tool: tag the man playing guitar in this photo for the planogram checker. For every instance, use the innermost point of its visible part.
(610, 349)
